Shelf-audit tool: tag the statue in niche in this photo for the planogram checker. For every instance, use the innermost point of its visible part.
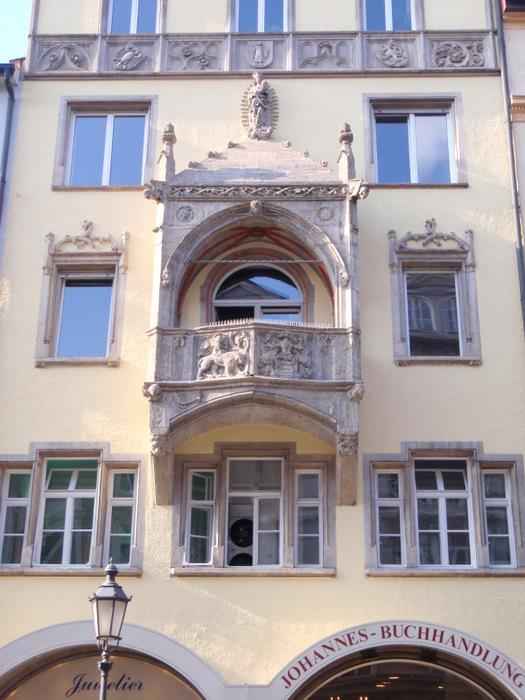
(259, 108)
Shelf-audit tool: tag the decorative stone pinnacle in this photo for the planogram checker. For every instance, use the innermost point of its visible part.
(168, 135)
(345, 134)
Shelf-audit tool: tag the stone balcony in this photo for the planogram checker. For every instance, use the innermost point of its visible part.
(300, 52)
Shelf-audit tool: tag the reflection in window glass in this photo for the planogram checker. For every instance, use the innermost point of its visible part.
(133, 16)
(498, 518)
(433, 162)
(89, 144)
(126, 158)
(147, 17)
(248, 15)
(388, 15)
(261, 15)
(273, 16)
(15, 501)
(393, 161)
(85, 317)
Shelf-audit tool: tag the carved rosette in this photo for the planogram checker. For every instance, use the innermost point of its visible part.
(457, 54)
(224, 354)
(285, 355)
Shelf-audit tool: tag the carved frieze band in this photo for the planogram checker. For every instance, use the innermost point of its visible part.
(204, 53)
(162, 191)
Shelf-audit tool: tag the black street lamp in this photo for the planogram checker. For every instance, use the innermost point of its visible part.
(109, 607)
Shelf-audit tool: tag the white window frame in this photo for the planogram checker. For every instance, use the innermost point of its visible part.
(308, 503)
(390, 503)
(63, 277)
(108, 144)
(69, 495)
(478, 464)
(206, 504)
(388, 16)
(437, 320)
(260, 15)
(134, 15)
(116, 501)
(6, 502)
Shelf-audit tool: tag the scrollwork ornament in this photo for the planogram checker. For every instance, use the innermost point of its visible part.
(458, 54)
(392, 55)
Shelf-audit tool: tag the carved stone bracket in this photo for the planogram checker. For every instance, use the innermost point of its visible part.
(159, 445)
(358, 189)
(153, 392)
(457, 54)
(392, 55)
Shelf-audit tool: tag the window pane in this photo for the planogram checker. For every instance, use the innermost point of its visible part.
(390, 550)
(259, 284)
(120, 549)
(199, 550)
(84, 322)
(18, 486)
(120, 17)
(12, 549)
(427, 514)
(83, 513)
(80, 548)
(269, 514)
(426, 480)
(86, 480)
(308, 486)
(59, 479)
(15, 520)
(284, 316)
(457, 514)
(268, 549)
(273, 16)
(308, 551)
(453, 481)
(393, 164)
(147, 17)
(429, 551)
(497, 521)
(430, 335)
(308, 520)
(87, 160)
(499, 551)
(248, 15)
(401, 18)
(123, 485)
(375, 15)
(458, 549)
(200, 521)
(388, 486)
(54, 513)
(389, 522)
(494, 485)
(52, 544)
(127, 150)
(202, 486)
(121, 519)
(433, 161)
(255, 475)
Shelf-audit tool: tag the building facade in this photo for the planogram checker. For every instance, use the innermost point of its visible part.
(262, 345)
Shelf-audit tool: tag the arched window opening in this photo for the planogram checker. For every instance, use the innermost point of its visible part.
(400, 680)
(259, 293)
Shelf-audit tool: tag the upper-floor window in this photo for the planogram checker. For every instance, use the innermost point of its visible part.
(263, 293)
(389, 15)
(13, 515)
(261, 15)
(132, 16)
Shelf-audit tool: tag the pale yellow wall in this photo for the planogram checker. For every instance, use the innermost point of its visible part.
(68, 16)
(197, 16)
(256, 432)
(338, 15)
(450, 14)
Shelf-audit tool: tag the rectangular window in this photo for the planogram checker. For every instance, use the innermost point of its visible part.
(120, 519)
(443, 512)
(132, 16)
(389, 15)
(261, 15)
(389, 518)
(433, 325)
(201, 510)
(67, 515)
(416, 147)
(107, 149)
(308, 519)
(13, 515)
(84, 314)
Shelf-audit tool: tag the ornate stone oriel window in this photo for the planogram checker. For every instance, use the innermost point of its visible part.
(267, 510)
(261, 15)
(434, 298)
(64, 509)
(453, 508)
(104, 143)
(132, 16)
(82, 299)
(414, 141)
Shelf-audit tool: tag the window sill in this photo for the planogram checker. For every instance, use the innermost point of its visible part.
(65, 571)
(437, 360)
(443, 573)
(418, 185)
(252, 572)
(77, 362)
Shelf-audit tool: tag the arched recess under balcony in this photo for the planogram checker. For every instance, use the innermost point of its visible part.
(265, 236)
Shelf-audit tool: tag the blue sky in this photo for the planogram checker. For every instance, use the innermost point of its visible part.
(14, 28)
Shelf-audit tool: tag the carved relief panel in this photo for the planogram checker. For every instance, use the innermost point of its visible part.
(256, 53)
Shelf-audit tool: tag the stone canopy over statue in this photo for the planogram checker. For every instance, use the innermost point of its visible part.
(259, 109)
